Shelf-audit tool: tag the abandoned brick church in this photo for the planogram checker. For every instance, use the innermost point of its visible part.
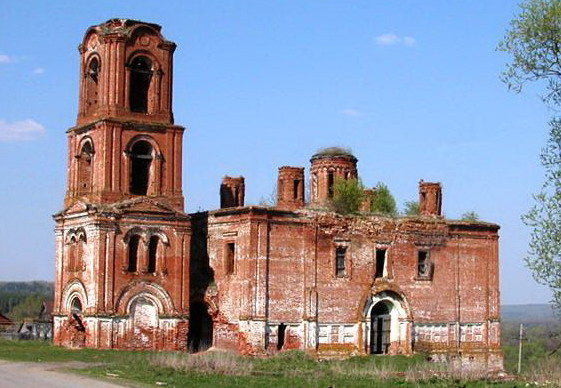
(134, 271)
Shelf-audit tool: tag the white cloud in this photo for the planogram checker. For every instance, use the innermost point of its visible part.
(409, 41)
(20, 130)
(6, 58)
(349, 112)
(390, 39)
(38, 70)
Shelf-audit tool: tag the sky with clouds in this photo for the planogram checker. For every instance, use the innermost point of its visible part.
(411, 87)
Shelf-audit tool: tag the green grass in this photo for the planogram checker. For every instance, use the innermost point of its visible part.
(290, 369)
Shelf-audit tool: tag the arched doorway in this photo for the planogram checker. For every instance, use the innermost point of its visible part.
(380, 327)
(200, 328)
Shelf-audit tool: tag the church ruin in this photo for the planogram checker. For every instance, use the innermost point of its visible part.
(134, 271)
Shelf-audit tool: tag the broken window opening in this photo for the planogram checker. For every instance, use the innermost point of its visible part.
(423, 264)
(296, 187)
(133, 253)
(141, 75)
(340, 254)
(141, 160)
(330, 182)
(230, 258)
(152, 254)
(281, 334)
(380, 263)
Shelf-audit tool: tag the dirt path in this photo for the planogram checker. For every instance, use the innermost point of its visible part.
(47, 375)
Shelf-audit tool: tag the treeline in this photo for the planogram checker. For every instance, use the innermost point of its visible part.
(539, 341)
(20, 300)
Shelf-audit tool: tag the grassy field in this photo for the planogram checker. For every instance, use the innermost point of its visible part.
(219, 369)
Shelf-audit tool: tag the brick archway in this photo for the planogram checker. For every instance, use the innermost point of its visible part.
(387, 324)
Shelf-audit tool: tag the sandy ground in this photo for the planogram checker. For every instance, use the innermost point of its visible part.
(47, 375)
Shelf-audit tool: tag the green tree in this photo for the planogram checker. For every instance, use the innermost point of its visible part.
(348, 195)
(383, 201)
(411, 208)
(470, 216)
(534, 42)
(544, 254)
(28, 308)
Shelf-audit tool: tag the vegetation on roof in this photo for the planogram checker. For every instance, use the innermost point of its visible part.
(334, 151)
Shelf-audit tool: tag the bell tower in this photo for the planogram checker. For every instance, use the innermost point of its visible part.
(122, 240)
(125, 143)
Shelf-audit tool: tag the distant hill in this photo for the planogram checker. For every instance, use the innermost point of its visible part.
(528, 313)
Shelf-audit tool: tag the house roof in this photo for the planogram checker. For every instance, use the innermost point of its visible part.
(4, 320)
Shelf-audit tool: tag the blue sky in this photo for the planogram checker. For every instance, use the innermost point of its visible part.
(412, 87)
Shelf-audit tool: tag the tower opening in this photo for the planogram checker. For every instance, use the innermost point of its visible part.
(141, 75)
(92, 78)
(85, 168)
(141, 160)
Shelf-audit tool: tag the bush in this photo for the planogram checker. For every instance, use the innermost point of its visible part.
(383, 201)
(348, 195)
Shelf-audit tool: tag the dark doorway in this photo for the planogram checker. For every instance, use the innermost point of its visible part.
(200, 328)
(281, 333)
(380, 323)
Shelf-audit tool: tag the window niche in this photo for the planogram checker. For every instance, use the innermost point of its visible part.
(341, 261)
(425, 267)
(229, 258)
(153, 254)
(134, 242)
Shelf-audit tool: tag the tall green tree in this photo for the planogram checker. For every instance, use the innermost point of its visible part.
(383, 201)
(534, 43)
(544, 255)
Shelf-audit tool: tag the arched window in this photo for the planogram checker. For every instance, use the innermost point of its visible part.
(92, 78)
(133, 253)
(152, 253)
(141, 159)
(76, 305)
(330, 183)
(140, 77)
(85, 168)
